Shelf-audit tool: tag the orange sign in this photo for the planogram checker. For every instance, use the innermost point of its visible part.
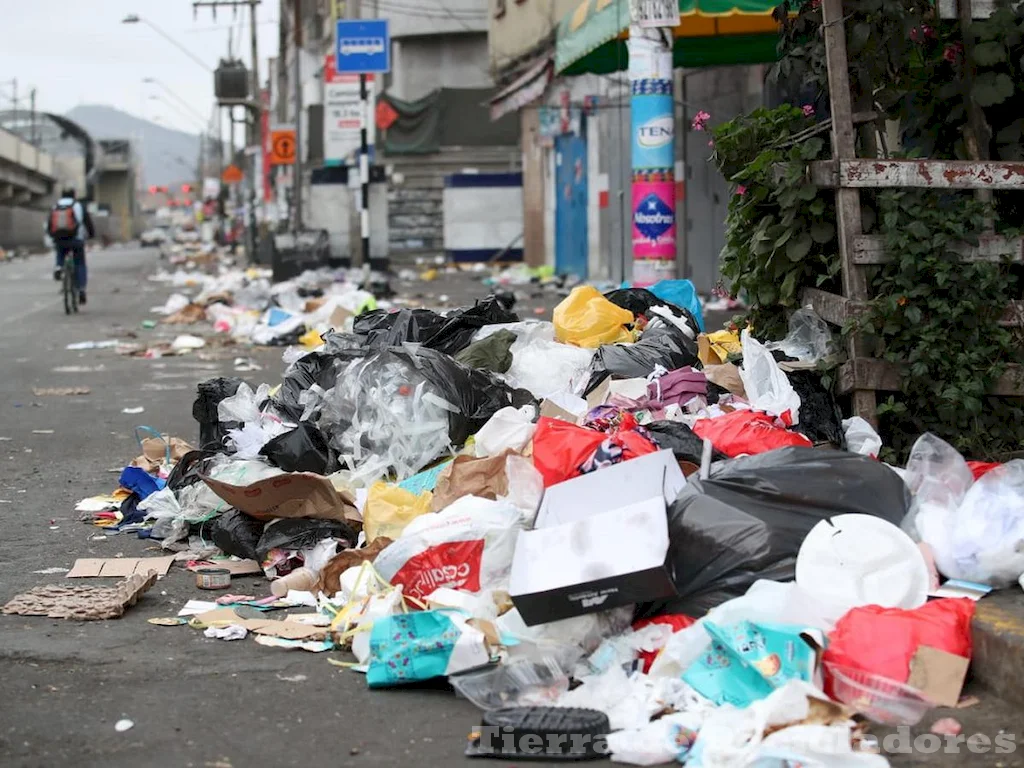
(282, 147)
(232, 175)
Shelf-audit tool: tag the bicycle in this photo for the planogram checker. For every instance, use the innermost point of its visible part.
(69, 281)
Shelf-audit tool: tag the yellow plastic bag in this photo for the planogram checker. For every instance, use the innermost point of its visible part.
(390, 508)
(585, 318)
(715, 348)
(310, 340)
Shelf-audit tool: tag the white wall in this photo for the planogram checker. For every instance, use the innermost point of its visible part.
(477, 218)
(422, 64)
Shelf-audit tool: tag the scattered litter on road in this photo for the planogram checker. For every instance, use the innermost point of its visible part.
(79, 369)
(42, 431)
(49, 571)
(123, 725)
(134, 410)
(80, 345)
(60, 391)
(81, 603)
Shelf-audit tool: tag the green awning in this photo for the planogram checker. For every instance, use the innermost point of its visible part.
(592, 38)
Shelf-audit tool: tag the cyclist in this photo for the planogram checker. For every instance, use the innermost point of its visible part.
(69, 226)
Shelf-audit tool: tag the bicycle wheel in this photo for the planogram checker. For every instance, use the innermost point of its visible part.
(70, 289)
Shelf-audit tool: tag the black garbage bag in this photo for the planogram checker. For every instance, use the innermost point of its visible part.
(446, 333)
(661, 344)
(189, 469)
(379, 328)
(490, 354)
(457, 332)
(639, 301)
(820, 418)
(304, 449)
(235, 533)
(681, 440)
(320, 368)
(204, 410)
(748, 520)
(301, 533)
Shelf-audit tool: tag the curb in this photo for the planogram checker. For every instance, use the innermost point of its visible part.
(998, 632)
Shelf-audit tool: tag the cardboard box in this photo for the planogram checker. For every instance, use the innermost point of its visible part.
(601, 541)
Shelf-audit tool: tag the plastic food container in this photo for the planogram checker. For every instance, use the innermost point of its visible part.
(878, 698)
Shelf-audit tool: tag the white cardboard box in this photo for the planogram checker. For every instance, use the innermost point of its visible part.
(601, 541)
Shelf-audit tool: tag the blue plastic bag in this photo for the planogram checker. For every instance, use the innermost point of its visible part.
(683, 294)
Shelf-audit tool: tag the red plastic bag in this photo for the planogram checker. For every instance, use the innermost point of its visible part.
(561, 450)
(747, 432)
(677, 621)
(882, 641)
(981, 468)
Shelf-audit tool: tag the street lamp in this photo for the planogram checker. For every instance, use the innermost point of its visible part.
(134, 18)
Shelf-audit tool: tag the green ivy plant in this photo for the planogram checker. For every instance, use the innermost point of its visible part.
(939, 318)
(780, 230)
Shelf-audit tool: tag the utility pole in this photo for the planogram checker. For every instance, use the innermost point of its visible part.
(32, 107)
(297, 167)
(253, 123)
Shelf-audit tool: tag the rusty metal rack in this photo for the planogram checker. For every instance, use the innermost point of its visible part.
(861, 376)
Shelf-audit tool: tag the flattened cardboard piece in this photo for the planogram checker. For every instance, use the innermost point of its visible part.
(338, 318)
(119, 567)
(599, 395)
(81, 602)
(554, 411)
(235, 567)
(289, 630)
(293, 494)
(468, 476)
(939, 675)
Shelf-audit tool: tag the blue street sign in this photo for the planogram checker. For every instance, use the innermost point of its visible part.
(362, 46)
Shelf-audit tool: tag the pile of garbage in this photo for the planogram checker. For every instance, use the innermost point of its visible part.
(660, 543)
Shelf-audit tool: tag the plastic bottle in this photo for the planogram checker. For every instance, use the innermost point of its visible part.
(301, 580)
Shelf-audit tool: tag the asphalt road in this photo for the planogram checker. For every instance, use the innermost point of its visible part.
(193, 701)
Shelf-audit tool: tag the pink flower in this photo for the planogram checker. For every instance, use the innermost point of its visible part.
(808, 110)
(952, 52)
(741, 190)
(711, 143)
(929, 33)
(700, 120)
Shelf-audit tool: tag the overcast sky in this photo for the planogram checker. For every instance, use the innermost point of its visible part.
(78, 52)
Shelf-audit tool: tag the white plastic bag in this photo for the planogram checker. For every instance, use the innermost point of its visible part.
(766, 385)
(664, 740)
(546, 368)
(468, 546)
(508, 429)
(525, 487)
(244, 405)
(861, 437)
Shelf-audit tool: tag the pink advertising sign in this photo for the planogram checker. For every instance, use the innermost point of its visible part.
(654, 220)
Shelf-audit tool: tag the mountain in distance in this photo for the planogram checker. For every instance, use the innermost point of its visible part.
(161, 147)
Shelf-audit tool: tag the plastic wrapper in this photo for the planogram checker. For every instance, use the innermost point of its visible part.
(206, 408)
(809, 339)
(569, 639)
(303, 449)
(562, 451)
(748, 520)
(235, 533)
(661, 344)
(389, 509)
(299, 533)
(767, 387)
(585, 318)
(163, 508)
(468, 546)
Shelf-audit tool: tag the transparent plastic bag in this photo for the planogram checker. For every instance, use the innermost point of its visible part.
(383, 416)
(987, 543)
(809, 339)
(861, 437)
(244, 405)
(545, 367)
(522, 683)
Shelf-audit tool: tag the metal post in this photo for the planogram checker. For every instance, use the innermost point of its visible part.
(364, 167)
(255, 133)
(297, 167)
